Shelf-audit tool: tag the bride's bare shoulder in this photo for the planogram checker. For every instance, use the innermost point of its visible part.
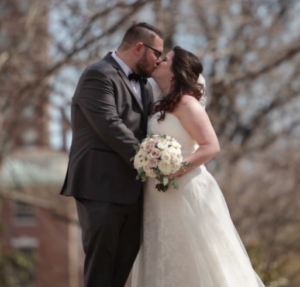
(188, 104)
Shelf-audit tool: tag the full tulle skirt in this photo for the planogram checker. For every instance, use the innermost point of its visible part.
(189, 239)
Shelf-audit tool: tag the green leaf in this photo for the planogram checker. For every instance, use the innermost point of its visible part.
(132, 159)
(157, 171)
(187, 163)
(140, 171)
(174, 184)
(161, 187)
(165, 180)
(143, 177)
(136, 147)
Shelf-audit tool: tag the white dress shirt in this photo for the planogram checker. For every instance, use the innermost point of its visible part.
(135, 85)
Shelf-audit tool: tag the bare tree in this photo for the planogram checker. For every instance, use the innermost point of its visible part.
(42, 45)
(251, 53)
(31, 56)
(251, 56)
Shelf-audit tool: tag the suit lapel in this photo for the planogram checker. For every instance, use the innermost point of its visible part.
(129, 87)
(144, 99)
(110, 59)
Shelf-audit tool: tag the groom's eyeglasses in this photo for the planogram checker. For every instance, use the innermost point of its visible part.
(157, 53)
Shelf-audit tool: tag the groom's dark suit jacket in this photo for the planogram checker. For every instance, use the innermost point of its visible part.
(107, 120)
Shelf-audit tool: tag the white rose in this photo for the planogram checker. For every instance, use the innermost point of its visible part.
(174, 152)
(156, 138)
(163, 144)
(151, 173)
(179, 156)
(176, 144)
(138, 162)
(143, 144)
(141, 153)
(172, 149)
(146, 166)
(166, 156)
(176, 160)
(175, 167)
(165, 167)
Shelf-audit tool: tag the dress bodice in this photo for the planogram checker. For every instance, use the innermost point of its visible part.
(172, 126)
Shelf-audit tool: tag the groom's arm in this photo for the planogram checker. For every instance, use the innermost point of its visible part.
(96, 99)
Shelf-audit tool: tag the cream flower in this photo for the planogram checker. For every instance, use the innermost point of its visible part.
(163, 144)
(175, 167)
(146, 166)
(165, 167)
(172, 149)
(176, 160)
(176, 144)
(179, 156)
(142, 153)
(156, 138)
(151, 173)
(166, 156)
(138, 162)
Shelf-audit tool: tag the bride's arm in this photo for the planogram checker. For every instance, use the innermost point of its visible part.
(195, 121)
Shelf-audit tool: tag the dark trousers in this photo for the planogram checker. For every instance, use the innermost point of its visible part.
(111, 240)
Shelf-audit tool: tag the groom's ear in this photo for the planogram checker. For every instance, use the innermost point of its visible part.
(137, 48)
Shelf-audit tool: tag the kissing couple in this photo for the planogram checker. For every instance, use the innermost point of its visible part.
(179, 238)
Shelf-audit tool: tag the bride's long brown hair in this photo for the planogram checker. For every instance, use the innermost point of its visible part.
(186, 68)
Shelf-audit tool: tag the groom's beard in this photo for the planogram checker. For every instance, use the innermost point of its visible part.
(143, 68)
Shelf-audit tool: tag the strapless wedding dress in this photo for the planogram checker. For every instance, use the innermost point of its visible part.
(189, 239)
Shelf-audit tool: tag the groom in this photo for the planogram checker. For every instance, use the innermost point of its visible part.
(109, 115)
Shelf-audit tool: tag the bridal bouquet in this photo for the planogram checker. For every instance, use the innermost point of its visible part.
(158, 156)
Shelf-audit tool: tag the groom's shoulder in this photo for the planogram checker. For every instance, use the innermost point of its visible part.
(103, 66)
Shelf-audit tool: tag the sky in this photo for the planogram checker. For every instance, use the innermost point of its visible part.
(70, 76)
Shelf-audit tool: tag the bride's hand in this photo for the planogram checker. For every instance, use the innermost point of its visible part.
(171, 177)
(180, 172)
(174, 175)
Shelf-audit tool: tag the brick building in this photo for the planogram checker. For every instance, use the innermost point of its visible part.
(35, 218)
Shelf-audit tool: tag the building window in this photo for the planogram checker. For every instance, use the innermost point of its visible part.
(25, 213)
(28, 112)
(29, 138)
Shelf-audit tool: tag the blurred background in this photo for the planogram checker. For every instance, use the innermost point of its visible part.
(250, 50)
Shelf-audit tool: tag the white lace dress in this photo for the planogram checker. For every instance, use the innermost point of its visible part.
(189, 239)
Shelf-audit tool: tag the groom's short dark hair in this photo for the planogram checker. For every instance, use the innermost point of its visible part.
(140, 32)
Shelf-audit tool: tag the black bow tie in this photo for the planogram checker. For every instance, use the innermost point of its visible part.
(137, 78)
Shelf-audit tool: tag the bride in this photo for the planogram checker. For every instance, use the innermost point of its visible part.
(189, 239)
